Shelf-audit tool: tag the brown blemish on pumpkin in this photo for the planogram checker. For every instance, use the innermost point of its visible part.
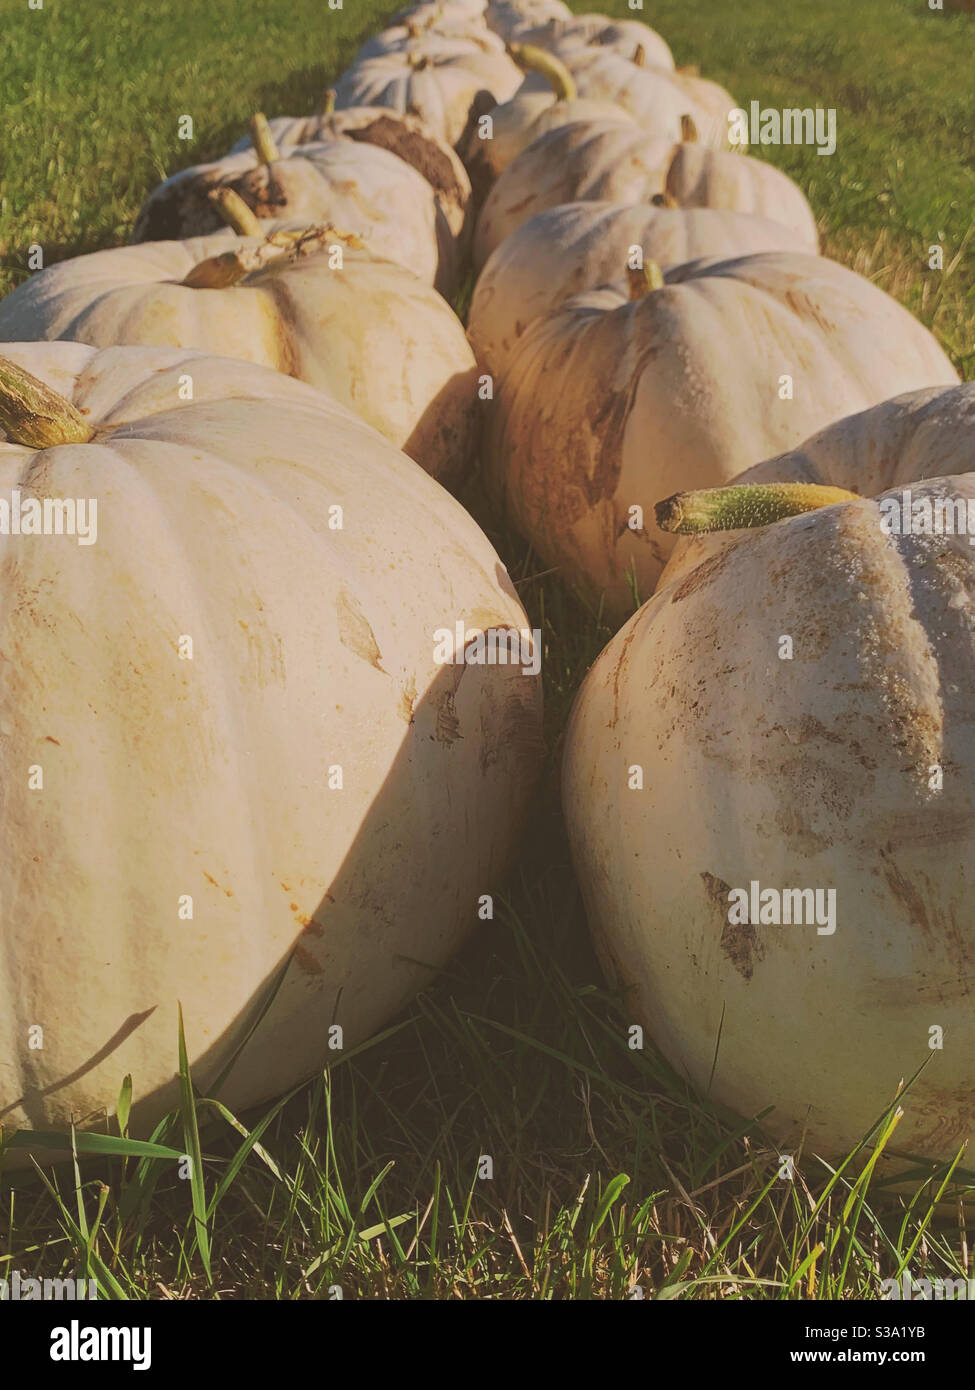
(704, 573)
(740, 942)
(448, 725)
(415, 149)
(354, 630)
(618, 672)
(211, 879)
(907, 893)
(407, 699)
(941, 1119)
(921, 902)
(308, 961)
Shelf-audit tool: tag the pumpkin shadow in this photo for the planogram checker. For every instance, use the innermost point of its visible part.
(317, 984)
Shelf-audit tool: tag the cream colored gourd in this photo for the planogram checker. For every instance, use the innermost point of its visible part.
(814, 773)
(651, 95)
(367, 331)
(606, 404)
(629, 38)
(460, 39)
(448, 93)
(362, 189)
(402, 135)
(698, 177)
(616, 162)
(546, 100)
(581, 246)
(304, 779)
(434, 14)
(713, 108)
(509, 17)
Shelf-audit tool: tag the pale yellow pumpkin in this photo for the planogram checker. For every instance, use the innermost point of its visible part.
(547, 99)
(405, 136)
(366, 331)
(628, 38)
(362, 189)
(580, 246)
(844, 767)
(448, 93)
(509, 17)
(231, 749)
(615, 161)
(608, 405)
(458, 39)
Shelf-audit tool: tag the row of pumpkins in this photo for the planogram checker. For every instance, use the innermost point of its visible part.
(236, 773)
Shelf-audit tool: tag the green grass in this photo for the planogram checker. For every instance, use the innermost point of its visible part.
(608, 1172)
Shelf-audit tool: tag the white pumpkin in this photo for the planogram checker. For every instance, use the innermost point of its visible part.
(360, 189)
(651, 95)
(547, 99)
(448, 93)
(367, 331)
(402, 135)
(614, 161)
(580, 246)
(628, 38)
(461, 39)
(816, 774)
(603, 160)
(509, 17)
(606, 405)
(434, 14)
(699, 177)
(313, 793)
(713, 107)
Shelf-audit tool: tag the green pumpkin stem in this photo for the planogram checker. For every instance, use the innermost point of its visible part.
(742, 506)
(328, 102)
(262, 139)
(34, 414)
(532, 59)
(645, 280)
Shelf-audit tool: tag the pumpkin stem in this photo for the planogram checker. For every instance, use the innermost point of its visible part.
(262, 139)
(235, 212)
(688, 129)
(532, 59)
(280, 248)
(639, 56)
(743, 506)
(34, 414)
(648, 277)
(216, 272)
(328, 102)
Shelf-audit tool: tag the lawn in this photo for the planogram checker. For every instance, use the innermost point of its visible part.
(608, 1175)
